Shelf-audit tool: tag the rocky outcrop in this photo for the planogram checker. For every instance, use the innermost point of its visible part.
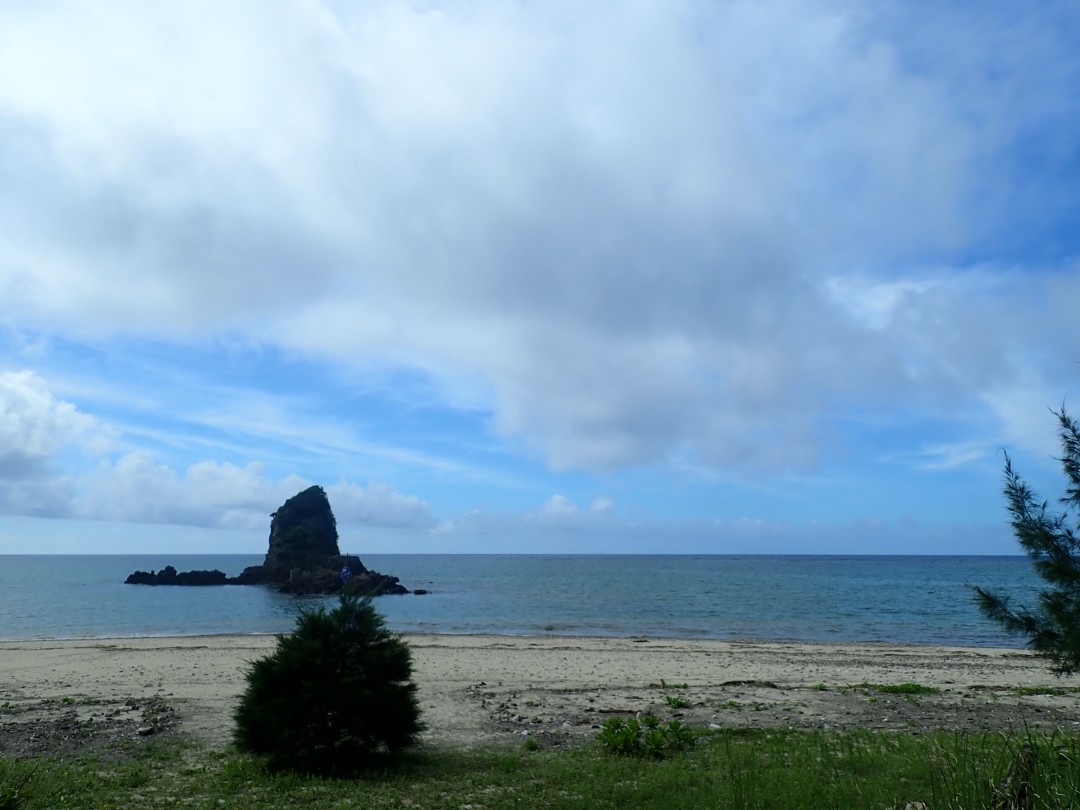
(169, 576)
(303, 557)
(303, 534)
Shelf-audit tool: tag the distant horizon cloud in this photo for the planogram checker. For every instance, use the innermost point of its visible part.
(581, 266)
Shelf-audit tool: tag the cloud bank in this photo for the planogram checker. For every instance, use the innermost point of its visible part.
(682, 234)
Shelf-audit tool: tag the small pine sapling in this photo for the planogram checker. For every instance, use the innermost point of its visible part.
(334, 697)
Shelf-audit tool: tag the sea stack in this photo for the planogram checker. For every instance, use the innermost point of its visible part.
(303, 556)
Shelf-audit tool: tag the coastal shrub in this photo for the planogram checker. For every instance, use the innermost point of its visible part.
(644, 737)
(334, 697)
(1052, 627)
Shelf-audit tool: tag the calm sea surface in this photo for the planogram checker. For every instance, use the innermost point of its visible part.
(920, 600)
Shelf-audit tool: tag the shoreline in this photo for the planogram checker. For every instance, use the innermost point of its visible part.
(407, 634)
(479, 689)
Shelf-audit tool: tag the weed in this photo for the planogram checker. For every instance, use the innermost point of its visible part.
(665, 685)
(676, 702)
(647, 737)
(620, 736)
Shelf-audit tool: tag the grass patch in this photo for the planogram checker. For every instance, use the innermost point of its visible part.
(1057, 691)
(742, 768)
(901, 688)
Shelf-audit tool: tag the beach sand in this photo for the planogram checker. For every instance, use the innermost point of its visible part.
(475, 690)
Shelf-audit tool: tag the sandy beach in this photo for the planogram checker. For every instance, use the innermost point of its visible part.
(478, 690)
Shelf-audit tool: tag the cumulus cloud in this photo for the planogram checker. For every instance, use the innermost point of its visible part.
(136, 488)
(662, 230)
(561, 508)
(601, 505)
(378, 505)
(557, 509)
(35, 426)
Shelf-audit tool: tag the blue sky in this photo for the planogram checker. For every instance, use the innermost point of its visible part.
(724, 277)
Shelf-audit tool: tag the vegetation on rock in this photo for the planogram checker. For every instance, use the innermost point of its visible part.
(303, 533)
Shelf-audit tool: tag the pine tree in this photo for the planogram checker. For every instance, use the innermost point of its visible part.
(1052, 628)
(334, 697)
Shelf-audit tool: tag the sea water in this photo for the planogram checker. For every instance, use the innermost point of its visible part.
(916, 600)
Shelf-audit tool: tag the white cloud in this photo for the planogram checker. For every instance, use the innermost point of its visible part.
(35, 426)
(627, 229)
(601, 505)
(558, 506)
(875, 303)
(136, 488)
(951, 455)
(37, 496)
(1024, 412)
(378, 505)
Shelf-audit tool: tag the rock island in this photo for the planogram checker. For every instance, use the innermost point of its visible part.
(303, 557)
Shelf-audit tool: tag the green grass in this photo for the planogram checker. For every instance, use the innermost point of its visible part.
(901, 688)
(676, 702)
(1059, 691)
(737, 769)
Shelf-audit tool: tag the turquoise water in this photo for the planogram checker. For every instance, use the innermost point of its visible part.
(918, 600)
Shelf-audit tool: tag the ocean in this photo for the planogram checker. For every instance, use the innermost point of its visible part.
(910, 600)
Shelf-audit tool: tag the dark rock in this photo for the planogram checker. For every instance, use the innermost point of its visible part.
(303, 557)
(419, 592)
(303, 534)
(169, 576)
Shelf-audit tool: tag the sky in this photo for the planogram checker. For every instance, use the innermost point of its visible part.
(737, 276)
